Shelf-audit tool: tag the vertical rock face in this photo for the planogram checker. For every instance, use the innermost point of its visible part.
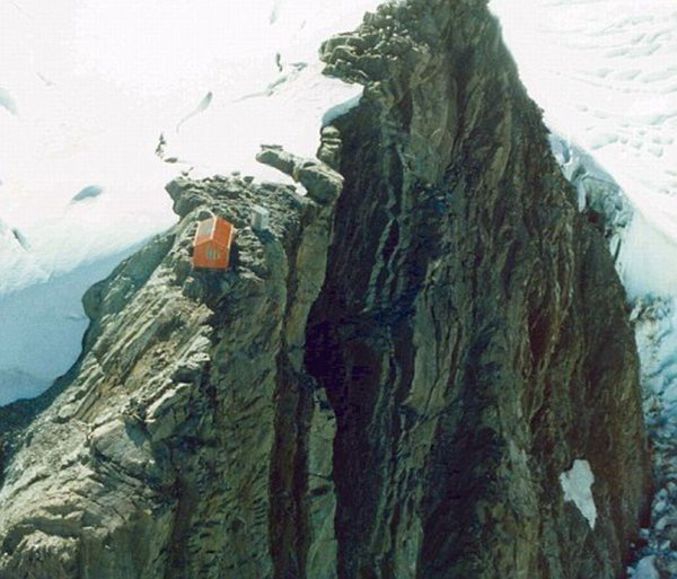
(172, 451)
(423, 369)
(471, 334)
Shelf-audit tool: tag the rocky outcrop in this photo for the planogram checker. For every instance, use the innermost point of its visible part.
(158, 453)
(396, 380)
(471, 334)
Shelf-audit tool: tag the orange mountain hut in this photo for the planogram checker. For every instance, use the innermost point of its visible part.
(212, 243)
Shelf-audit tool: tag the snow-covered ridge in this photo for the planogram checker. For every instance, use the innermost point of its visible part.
(87, 88)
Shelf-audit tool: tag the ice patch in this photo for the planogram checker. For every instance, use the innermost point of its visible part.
(577, 487)
(646, 569)
(341, 109)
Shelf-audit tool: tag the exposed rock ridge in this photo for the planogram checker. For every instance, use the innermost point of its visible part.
(168, 453)
(388, 384)
(471, 335)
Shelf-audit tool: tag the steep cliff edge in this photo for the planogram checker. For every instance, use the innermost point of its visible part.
(474, 326)
(391, 382)
(161, 447)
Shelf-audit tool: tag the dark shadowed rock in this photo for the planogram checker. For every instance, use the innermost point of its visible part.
(471, 335)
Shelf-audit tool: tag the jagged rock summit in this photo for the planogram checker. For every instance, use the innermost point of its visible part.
(396, 380)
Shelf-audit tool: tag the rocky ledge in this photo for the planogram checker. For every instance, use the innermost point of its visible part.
(424, 368)
(160, 447)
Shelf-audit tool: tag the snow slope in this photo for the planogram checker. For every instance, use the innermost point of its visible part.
(86, 89)
(605, 73)
(45, 322)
